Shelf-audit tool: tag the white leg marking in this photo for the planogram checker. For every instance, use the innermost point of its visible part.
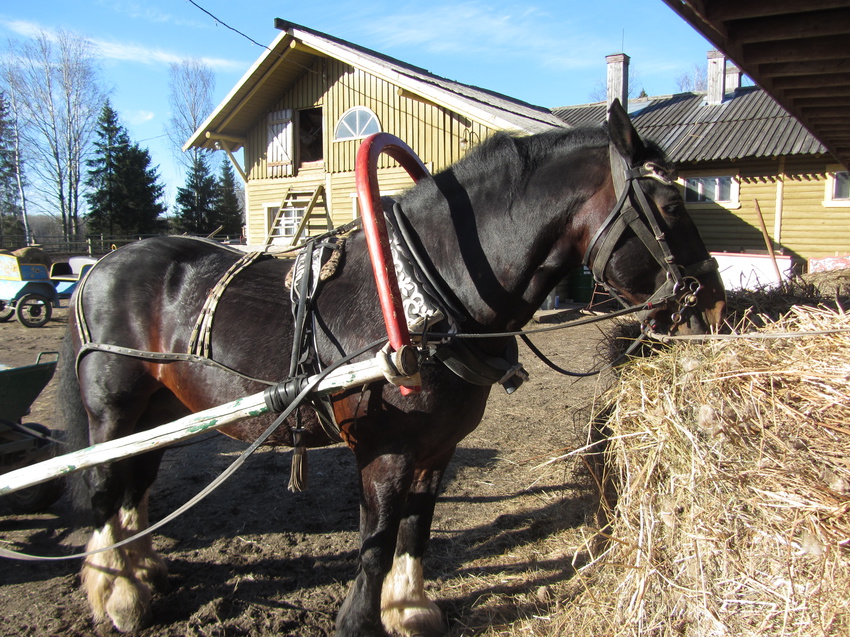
(118, 582)
(404, 607)
(145, 562)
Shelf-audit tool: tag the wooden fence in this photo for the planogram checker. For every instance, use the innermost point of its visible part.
(91, 245)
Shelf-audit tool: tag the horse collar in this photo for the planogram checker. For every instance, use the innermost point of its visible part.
(423, 292)
(426, 303)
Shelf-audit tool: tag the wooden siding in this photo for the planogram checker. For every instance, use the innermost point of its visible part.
(261, 193)
(810, 229)
(390, 180)
(440, 137)
(434, 133)
(308, 92)
(806, 229)
(737, 229)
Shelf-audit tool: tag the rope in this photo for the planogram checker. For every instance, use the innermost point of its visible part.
(537, 330)
(552, 365)
(163, 357)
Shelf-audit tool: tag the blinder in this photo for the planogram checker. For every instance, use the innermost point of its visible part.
(682, 285)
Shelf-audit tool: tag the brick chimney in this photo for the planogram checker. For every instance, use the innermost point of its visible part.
(618, 79)
(716, 80)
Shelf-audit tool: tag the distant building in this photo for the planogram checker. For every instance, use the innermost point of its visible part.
(736, 146)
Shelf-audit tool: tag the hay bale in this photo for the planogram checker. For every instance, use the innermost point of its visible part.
(731, 463)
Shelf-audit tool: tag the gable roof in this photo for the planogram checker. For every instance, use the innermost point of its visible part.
(294, 50)
(748, 123)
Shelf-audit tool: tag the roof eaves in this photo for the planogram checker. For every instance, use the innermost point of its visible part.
(276, 49)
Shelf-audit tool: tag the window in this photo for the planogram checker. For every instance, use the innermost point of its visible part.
(283, 223)
(837, 193)
(722, 189)
(357, 123)
(841, 186)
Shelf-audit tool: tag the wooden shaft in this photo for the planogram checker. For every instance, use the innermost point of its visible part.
(768, 243)
(176, 431)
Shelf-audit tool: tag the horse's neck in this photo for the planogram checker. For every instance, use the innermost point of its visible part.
(500, 255)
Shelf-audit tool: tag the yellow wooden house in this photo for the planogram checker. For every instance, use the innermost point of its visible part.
(753, 177)
(300, 112)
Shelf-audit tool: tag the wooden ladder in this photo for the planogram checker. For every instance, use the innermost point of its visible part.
(311, 205)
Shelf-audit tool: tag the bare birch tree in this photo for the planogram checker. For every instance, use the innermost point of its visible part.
(695, 81)
(191, 86)
(55, 83)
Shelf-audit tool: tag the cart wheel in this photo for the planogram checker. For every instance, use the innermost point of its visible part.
(6, 311)
(39, 497)
(33, 310)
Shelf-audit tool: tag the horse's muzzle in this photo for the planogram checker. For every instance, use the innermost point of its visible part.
(709, 312)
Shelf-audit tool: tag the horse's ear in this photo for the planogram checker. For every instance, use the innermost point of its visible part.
(623, 135)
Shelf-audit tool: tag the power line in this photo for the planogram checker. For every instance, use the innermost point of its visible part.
(224, 24)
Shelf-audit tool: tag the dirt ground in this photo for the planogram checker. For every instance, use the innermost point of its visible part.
(255, 559)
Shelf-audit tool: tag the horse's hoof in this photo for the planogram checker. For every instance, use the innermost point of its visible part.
(415, 621)
(129, 606)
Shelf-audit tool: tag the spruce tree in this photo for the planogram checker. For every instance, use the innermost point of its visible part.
(143, 194)
(104, 199)
(228, 203)
(11, 226)
(125, 196)
(197, 199)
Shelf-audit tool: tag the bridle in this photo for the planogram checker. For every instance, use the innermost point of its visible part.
(681, 287)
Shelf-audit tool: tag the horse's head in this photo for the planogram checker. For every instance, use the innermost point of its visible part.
(648, 248)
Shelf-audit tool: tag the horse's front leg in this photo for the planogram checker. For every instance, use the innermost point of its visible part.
(405, 607)
(385, 479)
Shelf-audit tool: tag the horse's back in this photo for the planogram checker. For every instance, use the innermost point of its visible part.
(161, 259)
(163, 281)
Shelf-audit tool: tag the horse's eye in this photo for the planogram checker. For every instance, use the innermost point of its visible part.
(672, 210)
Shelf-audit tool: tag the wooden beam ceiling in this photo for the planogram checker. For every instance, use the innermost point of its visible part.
(796, 50)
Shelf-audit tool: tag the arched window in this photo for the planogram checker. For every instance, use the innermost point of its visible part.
(357, 122)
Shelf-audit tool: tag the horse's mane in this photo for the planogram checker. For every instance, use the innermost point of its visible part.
(523, 153)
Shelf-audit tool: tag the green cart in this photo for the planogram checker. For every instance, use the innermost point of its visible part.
(23, 444)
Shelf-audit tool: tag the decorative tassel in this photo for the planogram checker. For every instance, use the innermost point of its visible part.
(298, 472)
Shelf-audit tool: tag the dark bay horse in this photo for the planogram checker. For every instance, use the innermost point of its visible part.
(500, 229)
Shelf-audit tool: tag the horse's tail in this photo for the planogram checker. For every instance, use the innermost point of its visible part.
(72, 414)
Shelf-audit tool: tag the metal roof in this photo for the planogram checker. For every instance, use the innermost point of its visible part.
(295, 49)
(748, 123)
(796, 50)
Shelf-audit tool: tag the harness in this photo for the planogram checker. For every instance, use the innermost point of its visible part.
(681, 285)
(429, 305)
(199, 347)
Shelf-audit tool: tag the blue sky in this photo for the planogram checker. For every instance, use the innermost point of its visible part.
(546, 52)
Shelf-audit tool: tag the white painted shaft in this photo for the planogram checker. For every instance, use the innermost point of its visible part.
(176, 431)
